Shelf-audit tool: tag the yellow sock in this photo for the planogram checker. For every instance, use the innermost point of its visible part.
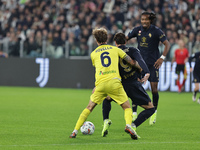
(128, 115)
(83, 116)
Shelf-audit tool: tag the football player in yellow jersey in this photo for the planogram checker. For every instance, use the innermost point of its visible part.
(105, 59)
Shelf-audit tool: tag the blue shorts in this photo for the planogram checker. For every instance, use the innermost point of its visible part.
(136, 93)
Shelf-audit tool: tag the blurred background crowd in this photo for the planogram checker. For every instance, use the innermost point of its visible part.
(62, 28)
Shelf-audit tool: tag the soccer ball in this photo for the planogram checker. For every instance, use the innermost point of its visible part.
(87, 128)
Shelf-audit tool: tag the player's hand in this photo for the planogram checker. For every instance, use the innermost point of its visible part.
(145, 78)
(140, 80)
(191, 69)
(158, 63)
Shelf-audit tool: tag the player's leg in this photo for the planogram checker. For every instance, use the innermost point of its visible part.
(96, 98)
(128, 118)
(196, 89)
(116, 92)
(178, 69)
(83, 116)
(196, 81)
(178, 83)
(145, 114)
(154, 90)
(185, 77)
(142, 99)
(106, 107)
(134, 109)
(197, 86)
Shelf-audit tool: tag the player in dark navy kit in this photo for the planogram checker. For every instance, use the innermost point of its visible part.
(148, 38)
(196, 74)
(132, 86)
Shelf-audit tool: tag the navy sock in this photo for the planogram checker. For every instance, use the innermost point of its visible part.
(155, 100)
(106, 107)
(195, 93)
(134, 108)
(144, 115)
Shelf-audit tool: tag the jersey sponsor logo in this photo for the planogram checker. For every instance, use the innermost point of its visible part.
(106, 72)
(43, 77)
(143, 42)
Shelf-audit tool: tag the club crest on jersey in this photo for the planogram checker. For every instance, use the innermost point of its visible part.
(150, 35)
(139, 32)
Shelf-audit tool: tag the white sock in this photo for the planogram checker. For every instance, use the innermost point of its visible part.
(76, 131)
(135, 113)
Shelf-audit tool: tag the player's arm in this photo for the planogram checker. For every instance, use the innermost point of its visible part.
(137, 56)
(132, 62)
(173, 59)
(159, 62)
(131, 34)
(190, 60)
(127, 38)
(143, 65)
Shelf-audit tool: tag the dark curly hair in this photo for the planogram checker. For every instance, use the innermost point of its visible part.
(152, 16)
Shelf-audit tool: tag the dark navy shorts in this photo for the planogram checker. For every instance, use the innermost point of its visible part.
(154, 74)
(196, 76)
(136, 93)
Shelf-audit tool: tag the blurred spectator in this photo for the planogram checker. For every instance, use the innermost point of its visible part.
(108, 6)
(190, 43)
(119, 16)
(49, 46)
(39, 39)
(196, 47)
(32, 48)
(57, 43)
(3, 54)
(14, 46)
(26, 17)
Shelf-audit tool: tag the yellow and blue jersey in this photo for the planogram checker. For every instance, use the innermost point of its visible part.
(105, 59)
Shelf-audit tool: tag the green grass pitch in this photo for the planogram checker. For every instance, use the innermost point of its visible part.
(43, 118)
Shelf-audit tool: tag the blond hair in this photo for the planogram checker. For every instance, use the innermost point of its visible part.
(100, 35)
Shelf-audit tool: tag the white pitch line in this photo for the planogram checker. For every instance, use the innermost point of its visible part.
(135, 142)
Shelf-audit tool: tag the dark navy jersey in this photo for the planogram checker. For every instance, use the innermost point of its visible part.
(197, 61)
(127, 72)
(148, 41)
